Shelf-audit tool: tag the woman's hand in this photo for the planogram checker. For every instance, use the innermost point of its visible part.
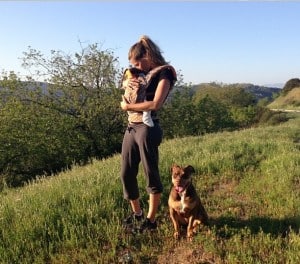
(133, 83)
(158, 100)
(124, 103)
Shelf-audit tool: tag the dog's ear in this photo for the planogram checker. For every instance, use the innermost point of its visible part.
(189, 169)
(173, 165)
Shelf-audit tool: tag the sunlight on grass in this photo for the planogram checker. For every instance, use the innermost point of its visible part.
(249, 182)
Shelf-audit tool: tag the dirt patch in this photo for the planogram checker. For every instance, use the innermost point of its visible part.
(183, 254)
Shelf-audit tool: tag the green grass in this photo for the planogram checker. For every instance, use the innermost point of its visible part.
(249, 182)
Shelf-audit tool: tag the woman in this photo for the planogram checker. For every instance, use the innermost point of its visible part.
(140, 142)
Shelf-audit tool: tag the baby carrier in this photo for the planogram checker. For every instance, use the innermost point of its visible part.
(138, 95)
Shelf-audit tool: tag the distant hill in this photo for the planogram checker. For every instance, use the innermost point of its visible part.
(290, 101)
(260, 92)
(278, 85)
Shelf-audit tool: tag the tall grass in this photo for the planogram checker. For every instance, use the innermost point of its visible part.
(249, 182)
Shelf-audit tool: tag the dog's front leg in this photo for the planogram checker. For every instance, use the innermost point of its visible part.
(190, 228)
(175, 221)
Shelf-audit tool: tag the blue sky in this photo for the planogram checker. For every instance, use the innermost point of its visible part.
(229, 42)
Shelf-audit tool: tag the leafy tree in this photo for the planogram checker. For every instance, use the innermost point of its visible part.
(31, 142)
(83, 87)
(183, 116)
(240, 103)
(212, 116)
(71, 115)
(176, 115)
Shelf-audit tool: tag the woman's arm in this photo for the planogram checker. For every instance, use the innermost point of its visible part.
(161, 93)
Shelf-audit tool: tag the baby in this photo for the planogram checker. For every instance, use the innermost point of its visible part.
(136, 94)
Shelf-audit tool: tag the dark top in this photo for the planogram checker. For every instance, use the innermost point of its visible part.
(166, 73)
(163, 74)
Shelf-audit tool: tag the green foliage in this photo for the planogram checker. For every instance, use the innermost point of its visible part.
(72, 118)
(290, 85)
(244, 116)
(177, 113)
(212, 116)
(84, 87)
(239, 103)
(210, 109)
(243, 178)
(34, 142)
(229, 95)
(74, 114)
(183, 116)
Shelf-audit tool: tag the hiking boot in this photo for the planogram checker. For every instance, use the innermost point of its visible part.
(147, 225)
(132, 219)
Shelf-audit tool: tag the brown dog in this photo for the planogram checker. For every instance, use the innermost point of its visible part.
(184, 204)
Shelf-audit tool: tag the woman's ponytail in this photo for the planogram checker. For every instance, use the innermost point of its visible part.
(145, 47)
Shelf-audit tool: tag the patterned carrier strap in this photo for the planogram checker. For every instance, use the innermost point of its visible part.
(154, 71)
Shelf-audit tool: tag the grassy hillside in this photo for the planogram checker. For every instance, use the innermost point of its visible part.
(249, 182)
(290, 101)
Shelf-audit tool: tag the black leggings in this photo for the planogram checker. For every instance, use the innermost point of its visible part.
(140, 144)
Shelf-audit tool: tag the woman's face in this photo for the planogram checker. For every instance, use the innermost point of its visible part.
(142, 64)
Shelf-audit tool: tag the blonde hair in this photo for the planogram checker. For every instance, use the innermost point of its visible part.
(145, 47)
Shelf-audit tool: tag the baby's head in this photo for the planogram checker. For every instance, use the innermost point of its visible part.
(131, 73)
